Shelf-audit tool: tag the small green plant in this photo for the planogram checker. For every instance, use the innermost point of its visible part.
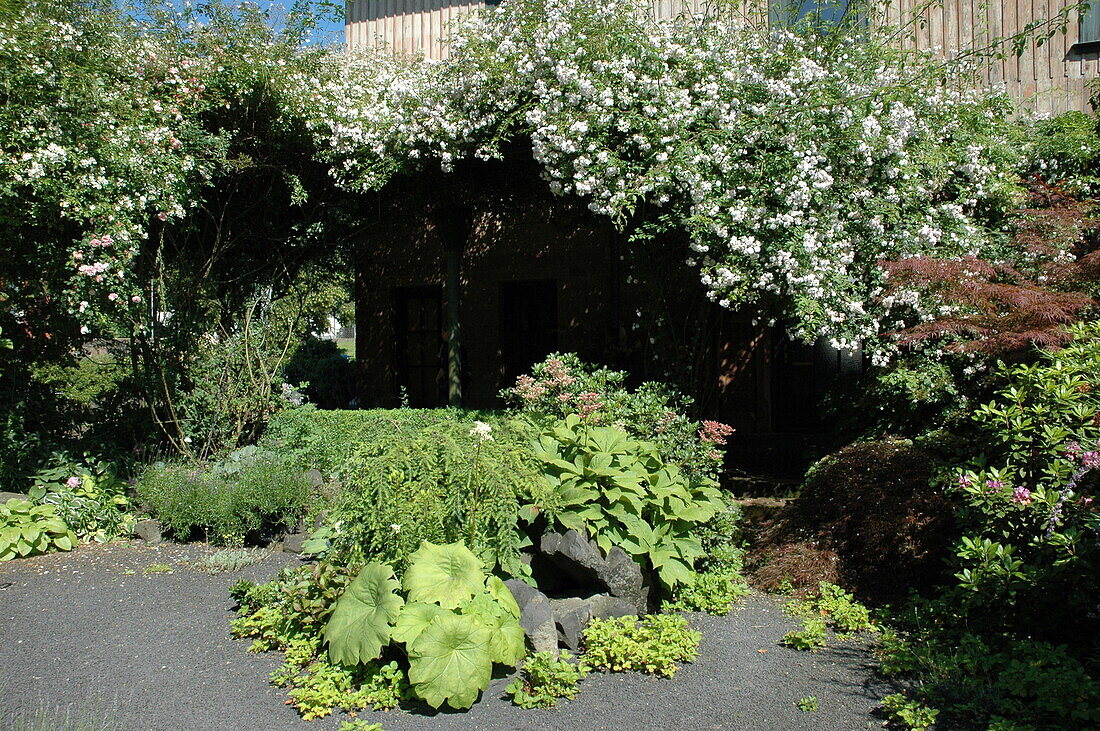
(27, 529)
(837, 606)
(360, 725)
(326, 686)
(227, 559)
(546, 679)
(88, 497)
(908, 714)
(157, 568)
(810, 637)
(713, 592)
(808, 704)
(653, 644)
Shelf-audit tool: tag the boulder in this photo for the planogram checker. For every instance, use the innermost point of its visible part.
(571, 615)
(616, 574)
(535, 616)
(148, 530)
(292, 543)
(6, 496)
(315, 478)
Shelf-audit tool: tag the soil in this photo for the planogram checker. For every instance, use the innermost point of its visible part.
(93, 639)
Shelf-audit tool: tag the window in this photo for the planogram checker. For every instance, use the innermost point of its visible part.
(812, 13)
(1090, 24)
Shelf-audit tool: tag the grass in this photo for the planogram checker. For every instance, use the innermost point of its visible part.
(348, 346)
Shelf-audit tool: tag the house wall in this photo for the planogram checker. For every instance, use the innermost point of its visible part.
(1051, 78)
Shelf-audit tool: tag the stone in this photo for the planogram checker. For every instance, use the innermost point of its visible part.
(148, 530)
(582, 560)
(604, 606)
(292, 543)
(316, 479)
(535, 616)
(571, 615)
(6, 496)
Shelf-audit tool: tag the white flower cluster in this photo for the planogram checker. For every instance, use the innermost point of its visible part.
(794, 165)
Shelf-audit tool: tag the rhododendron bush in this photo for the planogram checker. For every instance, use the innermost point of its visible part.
(795, 162)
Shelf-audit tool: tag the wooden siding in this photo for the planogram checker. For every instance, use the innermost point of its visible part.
(1051, 78)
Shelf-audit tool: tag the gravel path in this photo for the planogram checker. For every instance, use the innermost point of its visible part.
(90, 637)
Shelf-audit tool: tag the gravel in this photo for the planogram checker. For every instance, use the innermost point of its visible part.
(90, 637)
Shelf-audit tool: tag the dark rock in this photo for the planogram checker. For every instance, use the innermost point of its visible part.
(6, 496)
(293, 543)
(603, 606)
(584, 563)
(571, 615)
(148, 530)
(535, 616)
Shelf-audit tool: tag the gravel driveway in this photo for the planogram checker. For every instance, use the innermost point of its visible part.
(89, 639)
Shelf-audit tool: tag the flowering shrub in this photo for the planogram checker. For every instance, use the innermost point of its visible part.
(793, 162)
(562, 385)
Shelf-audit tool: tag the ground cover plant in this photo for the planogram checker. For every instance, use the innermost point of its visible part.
(546, 679)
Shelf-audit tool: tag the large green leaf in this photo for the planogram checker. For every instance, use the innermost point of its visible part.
(503, 595)
(447, 575)
(360, 624)
(506, 639)
(450, 662)
(414, 617)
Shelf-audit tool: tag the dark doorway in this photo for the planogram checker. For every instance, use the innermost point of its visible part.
(528, 326)
(801, 375)
(418, 323)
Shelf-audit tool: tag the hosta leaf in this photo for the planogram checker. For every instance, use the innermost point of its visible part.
(450, 662)
(412, 620)
(64, 543)
(360, 624)
(447, 575)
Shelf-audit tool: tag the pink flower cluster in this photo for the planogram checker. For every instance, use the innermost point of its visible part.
(1089, 459)
(93, 270)
(558, 374)
(528, 389)
(73, 482)
(715, 432)
(588, 403)
(1022, 496)
(104, 240)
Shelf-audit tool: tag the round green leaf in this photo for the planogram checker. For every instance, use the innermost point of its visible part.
(360, 624)
(447, 575)
(449, 661)
(412, 620)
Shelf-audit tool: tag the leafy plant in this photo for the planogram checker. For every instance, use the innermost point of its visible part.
(562, 385)
(158, 568)
(837, 606)
(809, 704)
(454, 623)
(545, 679)
(908, 714)
(325, 686)
(653, 644)
(619, 491)
(810, 637)
(27, 529)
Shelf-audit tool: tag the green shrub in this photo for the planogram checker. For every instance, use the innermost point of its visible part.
(562, 385)
(653, 644)
(545, 679)
(619, 491)
(439, 482)
(27, 529)
(902, 712)
(293, 607)
(322, 372)
(255, 496)
(810, 637)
